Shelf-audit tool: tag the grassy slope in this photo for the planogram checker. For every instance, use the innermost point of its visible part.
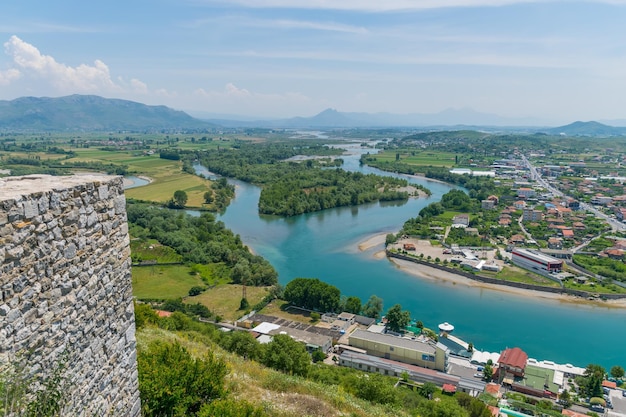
(281, 395)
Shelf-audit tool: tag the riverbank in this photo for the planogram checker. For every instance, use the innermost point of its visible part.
(434, 274)
(129, 182)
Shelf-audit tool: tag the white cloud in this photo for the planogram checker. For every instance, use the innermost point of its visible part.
(83, 78)
(9, 75)
(139, 86)
(31, 64)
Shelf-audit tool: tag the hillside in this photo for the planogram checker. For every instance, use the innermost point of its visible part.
(91, 113)
(593, 129)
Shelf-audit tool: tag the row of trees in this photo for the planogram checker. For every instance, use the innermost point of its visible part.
(313, 294)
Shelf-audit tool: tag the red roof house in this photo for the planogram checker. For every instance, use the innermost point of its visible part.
(512, 363)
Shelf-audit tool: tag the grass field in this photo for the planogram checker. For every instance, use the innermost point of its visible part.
(167, 176)
(224, 300)
(152, 250)
(419, 158)
(163, 282)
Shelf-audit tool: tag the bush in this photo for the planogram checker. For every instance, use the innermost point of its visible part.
(193, 291)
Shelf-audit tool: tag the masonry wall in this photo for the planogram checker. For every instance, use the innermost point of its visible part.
(65, 287)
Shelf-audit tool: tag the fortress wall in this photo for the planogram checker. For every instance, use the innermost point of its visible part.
(65, 286)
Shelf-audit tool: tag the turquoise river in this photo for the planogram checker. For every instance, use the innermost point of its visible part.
(324, 245)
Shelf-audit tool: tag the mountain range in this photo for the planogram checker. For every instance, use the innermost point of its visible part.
(89, 113)
(94, 113)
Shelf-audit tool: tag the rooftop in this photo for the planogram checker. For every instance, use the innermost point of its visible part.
(393, 341)
(514, 357)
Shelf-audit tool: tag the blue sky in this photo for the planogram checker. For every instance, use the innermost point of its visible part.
(559, 61)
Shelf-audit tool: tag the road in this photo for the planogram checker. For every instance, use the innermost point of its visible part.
(615, 224)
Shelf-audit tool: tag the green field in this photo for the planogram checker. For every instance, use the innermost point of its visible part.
(166, 175)
(224, 300)
(418, 158)
(164, 282)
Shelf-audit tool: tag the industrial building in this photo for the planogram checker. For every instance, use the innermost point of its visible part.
(414, 352)
(536, 261)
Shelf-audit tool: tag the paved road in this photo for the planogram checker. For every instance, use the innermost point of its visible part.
(615, 224)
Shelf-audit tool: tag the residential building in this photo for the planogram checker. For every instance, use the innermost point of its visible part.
(524, 192)
(511, 365)
(461, 219)
(487, 204)
(532, 215)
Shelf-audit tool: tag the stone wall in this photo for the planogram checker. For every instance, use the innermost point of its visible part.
(65, 287)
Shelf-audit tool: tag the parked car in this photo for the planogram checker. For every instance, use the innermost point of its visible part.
(477, 375)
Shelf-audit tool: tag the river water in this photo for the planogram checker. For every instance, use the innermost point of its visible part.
(324, 245)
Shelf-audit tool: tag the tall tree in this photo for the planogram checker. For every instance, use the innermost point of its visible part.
(397, 319)
(286, 355)
(180, 198)
(353, 305)
(617, 372)
(373, 307)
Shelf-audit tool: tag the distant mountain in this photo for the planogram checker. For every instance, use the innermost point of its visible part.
(86, 112)
(592, 128)
(331, 118)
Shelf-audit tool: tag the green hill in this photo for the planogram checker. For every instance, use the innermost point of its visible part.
(91, 113)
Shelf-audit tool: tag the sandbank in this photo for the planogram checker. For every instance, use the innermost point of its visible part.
(423, 271)
(373, 241)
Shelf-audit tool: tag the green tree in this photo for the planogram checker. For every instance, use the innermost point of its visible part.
(180, 198)
(244, 304)
(593, 377)
(373, 307)
(374, 388)
(397, 319)
(353, 305)
(488, 372)
(208, 197)
(286, 355)
(243, 344)
(318, 355)
(174, 383)
(617, 372)
(565, 398)
(428, 389)
(144, 314)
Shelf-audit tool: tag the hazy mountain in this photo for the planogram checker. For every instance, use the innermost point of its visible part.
(587, 129)
(85, 112)
(331, 118)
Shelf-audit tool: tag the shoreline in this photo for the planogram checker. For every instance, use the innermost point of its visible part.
(128, 183)
(433, 274)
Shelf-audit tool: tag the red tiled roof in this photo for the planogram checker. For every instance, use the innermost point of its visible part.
(492, 388)
(568, 233)
(162, 313)
(514, 357)
(609, 384)
(448, 388)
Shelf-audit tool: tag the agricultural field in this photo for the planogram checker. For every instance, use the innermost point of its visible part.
(418, 158)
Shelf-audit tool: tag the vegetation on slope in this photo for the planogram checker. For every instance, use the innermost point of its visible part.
(294, 387)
